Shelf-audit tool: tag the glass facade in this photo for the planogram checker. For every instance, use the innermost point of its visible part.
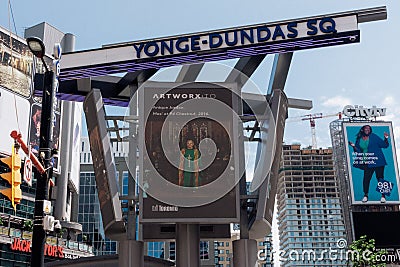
(155, 249)
(89, 216)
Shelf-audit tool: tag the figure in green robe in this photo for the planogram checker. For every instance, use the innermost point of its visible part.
(189, 165)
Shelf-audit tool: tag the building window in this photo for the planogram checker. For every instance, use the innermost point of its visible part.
(155, 249)
(204, 250)
(172, 251)
(89, 216)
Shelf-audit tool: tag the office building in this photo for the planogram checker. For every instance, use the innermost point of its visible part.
(89, 214)
(16, 69)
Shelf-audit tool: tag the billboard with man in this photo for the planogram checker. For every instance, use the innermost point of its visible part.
(371, 161)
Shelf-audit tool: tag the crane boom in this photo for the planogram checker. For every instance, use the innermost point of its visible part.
(311, 118)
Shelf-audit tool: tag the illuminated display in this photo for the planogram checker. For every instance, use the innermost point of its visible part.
(372, 164)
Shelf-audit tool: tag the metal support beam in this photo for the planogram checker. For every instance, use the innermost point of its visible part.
(189, 73)
(244, 68)
(372, 14)
(279, 73)
(104, 167)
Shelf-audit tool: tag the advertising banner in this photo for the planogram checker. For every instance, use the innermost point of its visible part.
(34, 133)
(16, 64)
(188, 153)
(14, 115)
(372, 162)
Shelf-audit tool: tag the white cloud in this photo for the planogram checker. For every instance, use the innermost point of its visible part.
(336, 102)
(389, 101)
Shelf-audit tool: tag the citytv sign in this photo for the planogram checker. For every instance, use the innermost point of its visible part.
(361, 112)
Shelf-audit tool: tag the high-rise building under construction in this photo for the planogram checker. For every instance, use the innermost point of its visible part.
(309, 212)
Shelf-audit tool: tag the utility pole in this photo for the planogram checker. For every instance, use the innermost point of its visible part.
(45, 148)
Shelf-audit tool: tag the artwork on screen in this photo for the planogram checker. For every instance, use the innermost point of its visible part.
(189, 148)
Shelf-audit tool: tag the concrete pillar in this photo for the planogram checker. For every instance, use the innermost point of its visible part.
(244, 253)
(187, 245)
(130, 253)
(60, 207)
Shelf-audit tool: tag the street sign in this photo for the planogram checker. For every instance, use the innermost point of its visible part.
(28, 171)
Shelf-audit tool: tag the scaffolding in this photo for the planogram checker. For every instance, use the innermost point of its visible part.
(340, 167)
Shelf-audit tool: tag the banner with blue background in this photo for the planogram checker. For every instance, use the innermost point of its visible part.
(372, 163)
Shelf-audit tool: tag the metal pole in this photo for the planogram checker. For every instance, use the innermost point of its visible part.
(131, 229)
(187, 245)
(42, 180)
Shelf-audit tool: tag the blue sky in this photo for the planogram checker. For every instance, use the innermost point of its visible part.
(364, 74)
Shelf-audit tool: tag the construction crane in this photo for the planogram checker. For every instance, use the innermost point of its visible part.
(312, 118)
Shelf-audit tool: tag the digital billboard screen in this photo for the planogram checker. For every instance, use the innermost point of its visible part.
(189, 153)
(372, 163)
(16, 64)
(380, 226)
(14, 115)
(34, 133)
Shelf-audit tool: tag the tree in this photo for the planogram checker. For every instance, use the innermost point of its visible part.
(28, 225)
(365, 253)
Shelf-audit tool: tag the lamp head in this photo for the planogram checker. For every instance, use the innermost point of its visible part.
(36, 46)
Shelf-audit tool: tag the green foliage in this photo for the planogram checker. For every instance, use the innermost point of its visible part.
(366, 253)
(1, 221)
(28, 225)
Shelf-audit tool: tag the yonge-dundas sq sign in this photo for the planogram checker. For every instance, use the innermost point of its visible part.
(267, 38)
(237, 37)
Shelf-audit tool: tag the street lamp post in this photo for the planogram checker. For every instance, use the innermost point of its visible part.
(45, 148)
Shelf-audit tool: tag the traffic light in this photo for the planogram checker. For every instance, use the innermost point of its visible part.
(14, 194)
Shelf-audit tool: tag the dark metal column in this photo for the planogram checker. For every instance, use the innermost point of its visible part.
(187, 245)
(42, 184)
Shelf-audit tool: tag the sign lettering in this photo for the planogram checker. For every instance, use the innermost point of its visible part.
(235, 37)
(25, 246)
(360, 111)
